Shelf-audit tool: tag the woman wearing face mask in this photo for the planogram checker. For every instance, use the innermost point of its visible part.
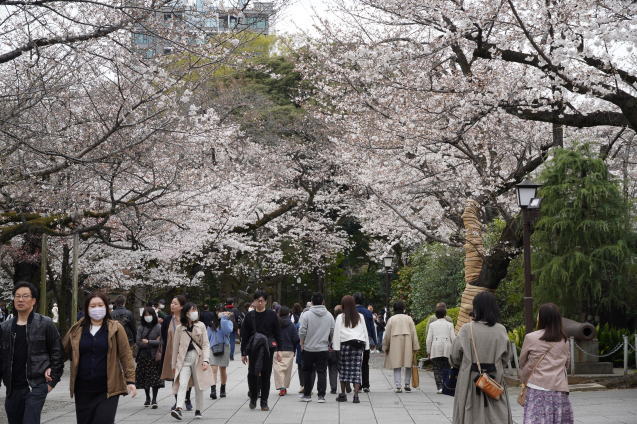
(190, 359)
(148, 370)
(219, 337)
(168, 328)
(102, 366)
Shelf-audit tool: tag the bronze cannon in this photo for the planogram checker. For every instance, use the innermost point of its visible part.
(579, 330)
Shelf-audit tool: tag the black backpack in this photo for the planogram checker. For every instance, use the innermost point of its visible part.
(123, 318)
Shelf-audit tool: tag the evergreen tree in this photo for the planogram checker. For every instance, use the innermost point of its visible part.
(581, 244)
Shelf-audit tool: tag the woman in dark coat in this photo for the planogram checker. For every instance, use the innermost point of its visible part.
(148, 370)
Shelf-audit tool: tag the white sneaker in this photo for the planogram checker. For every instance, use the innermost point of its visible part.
(398, 390)
(439, 391)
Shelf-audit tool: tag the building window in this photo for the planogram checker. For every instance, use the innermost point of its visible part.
(141, 39)
(168, 50)
(167, 16)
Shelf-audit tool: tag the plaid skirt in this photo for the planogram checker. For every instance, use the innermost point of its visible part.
(350, 362)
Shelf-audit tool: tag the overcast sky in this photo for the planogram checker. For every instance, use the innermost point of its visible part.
(298, 15)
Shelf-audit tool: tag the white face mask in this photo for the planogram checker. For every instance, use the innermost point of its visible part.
(97, 313)
(194, 315)
(161, 306)
(148, 319)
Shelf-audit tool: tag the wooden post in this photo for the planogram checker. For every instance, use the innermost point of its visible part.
(76, 242)
(43, 263)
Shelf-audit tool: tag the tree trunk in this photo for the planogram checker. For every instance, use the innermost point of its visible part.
(473, 263)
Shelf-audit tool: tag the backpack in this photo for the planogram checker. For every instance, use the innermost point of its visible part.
(123, 319)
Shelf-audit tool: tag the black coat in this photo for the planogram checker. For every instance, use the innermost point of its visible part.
(44, 350)
(289, 336)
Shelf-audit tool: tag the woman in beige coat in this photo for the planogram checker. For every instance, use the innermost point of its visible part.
(400, 344)
(190, 359)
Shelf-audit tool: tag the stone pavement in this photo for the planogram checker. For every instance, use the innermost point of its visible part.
(381, 405)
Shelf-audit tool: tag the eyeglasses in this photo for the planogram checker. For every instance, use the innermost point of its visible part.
(22, 297)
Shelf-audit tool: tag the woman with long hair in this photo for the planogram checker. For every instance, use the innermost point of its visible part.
(168, 328)
(350, 340)
(400, 345)
(190, 359)
(148, 370)
(486, 342)
(543, 361)
(219, 332)
(102, 366)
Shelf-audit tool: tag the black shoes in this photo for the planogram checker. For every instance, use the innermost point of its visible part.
(333, 391)
(356, 399)
(253, 403)
(176, 413)
(147, 403)
(342, 397)
(198, 415)
(153, 404)
(366, 389)
(222, 391)
(407, 389)
(213, 392)
(264, 406)
(188, 405)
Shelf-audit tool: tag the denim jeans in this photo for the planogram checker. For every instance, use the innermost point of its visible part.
(24, 406)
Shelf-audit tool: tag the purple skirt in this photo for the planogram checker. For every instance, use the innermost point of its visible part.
(544, 407)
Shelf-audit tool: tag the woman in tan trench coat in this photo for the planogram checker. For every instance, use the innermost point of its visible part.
(400, 344)
(190, 359)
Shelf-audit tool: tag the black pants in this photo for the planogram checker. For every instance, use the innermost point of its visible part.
(365, 370)
(95, 408)
(260, 382)
(315, 362)
(332, 365)
(24, 406)
(439, 364)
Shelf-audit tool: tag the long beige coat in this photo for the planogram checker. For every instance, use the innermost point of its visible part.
(181, 340)
(400, 341)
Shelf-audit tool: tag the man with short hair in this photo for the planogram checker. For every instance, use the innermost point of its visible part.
(260, 339)
(371, 332)
(31, 361)
(125, 317)
(315, 332)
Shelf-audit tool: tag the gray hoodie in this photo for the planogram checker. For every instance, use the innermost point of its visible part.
(316, 330)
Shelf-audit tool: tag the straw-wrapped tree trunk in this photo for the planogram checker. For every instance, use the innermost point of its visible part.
(474, 261)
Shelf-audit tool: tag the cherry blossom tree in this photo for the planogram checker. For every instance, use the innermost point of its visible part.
(446, 101)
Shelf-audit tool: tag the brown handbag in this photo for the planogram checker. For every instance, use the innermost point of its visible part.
(415, 377)
(488, 385)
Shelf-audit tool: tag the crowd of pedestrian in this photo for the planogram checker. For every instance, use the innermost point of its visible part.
(191, 348)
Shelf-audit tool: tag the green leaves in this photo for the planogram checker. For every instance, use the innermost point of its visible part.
(580, 244)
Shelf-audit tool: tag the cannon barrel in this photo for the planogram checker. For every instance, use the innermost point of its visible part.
(579, 330)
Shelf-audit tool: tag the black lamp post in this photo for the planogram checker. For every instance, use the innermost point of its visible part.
(530, 204)
(388, 261)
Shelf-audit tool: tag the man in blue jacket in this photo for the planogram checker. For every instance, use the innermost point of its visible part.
(371, 332)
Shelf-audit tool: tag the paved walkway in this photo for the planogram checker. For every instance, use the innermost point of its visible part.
(381, 405)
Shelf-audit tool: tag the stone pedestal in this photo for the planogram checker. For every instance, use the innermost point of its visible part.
(589, 364)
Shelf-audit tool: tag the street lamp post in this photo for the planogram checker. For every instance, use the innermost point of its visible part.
(529, 204)
(388, 261)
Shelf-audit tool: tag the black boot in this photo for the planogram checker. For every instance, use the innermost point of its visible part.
(213, 392)
(222, 391)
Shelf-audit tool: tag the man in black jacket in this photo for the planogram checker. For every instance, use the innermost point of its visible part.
(126, 318)
(261, 322)
(31, 361)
